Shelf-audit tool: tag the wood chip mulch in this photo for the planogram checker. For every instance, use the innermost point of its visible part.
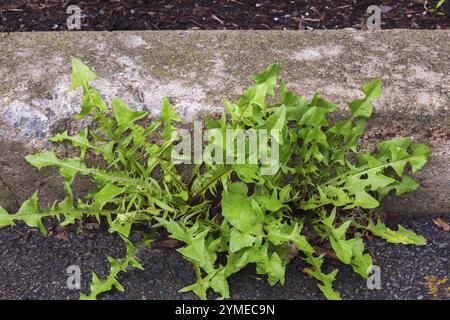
(50, 15)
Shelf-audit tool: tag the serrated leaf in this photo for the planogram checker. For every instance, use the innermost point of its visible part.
(168, 113)
(314, 117)
(329, 292)
(199, 288)
(276, 121)
(296, 106)
(81, 74)
(281, 233)
(248, 173)
(5, 219)
(421, 153)
(317, 136)
(239, 240)
(274, 268)
(92, 99)
(361, 262)
(268, 77)
(196, 251)
(402, 235)
(68, 168)
(99, 286)
(124, 115)
(238, 210)
(324, 105)
(256, 95)
(81, 140)
(342, 247)
(363, 107)
(175, 229)
(363, 200)
(105, 195)
(28, 213)
(219, 284)
(327, 279)
(407, 184)
(272, 203)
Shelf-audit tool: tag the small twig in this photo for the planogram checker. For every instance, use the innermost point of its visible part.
(421, 2)
(216, 18)
(310, 19)
(199, 24)
(342, 7)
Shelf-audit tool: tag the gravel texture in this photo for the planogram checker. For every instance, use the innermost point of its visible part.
(34, 267)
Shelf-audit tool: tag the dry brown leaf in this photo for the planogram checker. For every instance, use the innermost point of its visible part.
(20, 233)
(442, 224)
(382, 215)
(329, 253)
(60, 233)
(293, 251)
(167, 243)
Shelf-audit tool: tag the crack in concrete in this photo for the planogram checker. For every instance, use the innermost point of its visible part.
(11, 191)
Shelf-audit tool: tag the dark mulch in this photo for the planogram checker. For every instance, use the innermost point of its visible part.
(47, 15)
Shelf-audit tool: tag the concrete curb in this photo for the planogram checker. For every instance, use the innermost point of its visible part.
(197, 70)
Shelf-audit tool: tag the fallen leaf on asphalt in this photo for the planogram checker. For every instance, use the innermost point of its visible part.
(168, 243)
(60, 234)
(442, 224)
(20, 233)
(382, 215)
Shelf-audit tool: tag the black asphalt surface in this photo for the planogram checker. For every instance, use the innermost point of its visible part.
(34, 267)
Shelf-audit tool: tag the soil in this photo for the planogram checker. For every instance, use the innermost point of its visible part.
(50, 15)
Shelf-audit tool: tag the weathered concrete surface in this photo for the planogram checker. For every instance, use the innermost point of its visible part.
(197, 70)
